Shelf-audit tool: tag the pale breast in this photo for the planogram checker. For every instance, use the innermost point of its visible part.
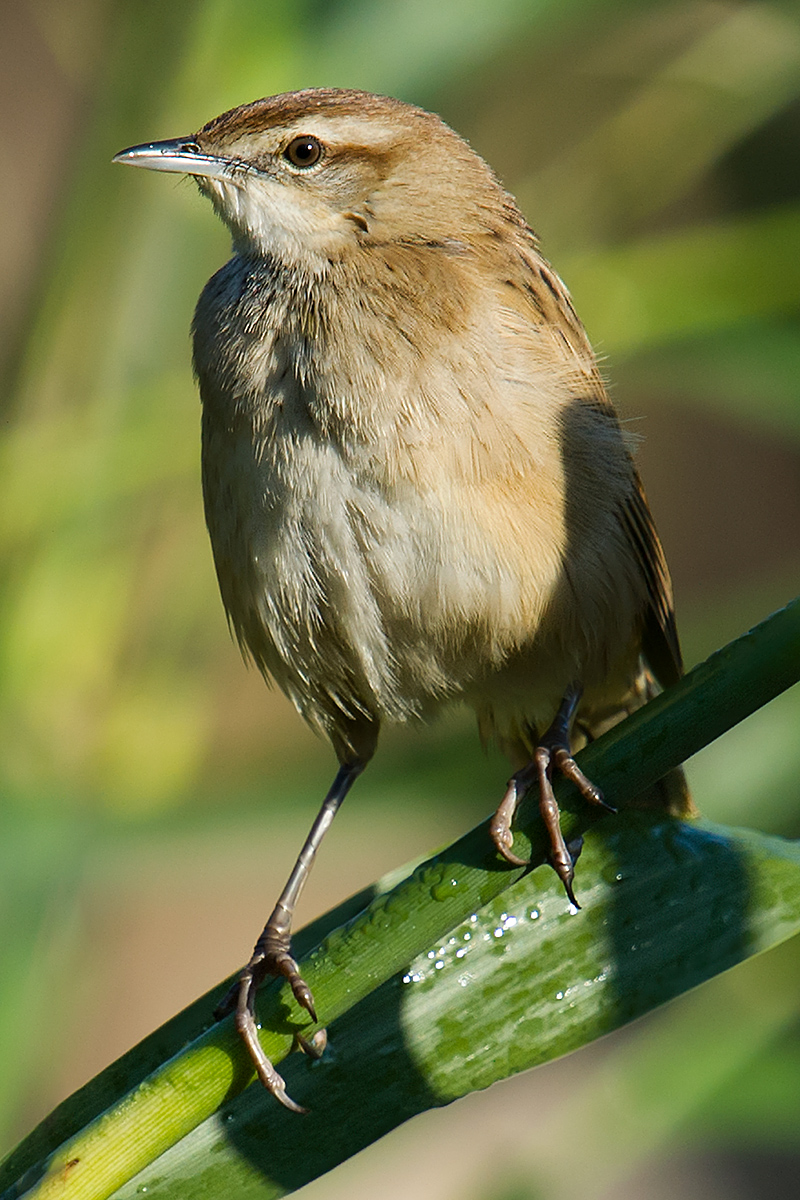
(385, 539)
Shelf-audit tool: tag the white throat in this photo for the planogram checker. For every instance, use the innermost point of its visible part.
(282, 223)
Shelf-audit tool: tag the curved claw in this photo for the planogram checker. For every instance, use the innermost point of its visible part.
(228, 1002)
(567, 885)
(314, 1046)
(505, 850)
(565, 763)
(500, 824)
(286, 1100)
(248, 1031)
(302, 994)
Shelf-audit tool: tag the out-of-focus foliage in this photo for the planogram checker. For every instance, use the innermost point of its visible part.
(654, 147)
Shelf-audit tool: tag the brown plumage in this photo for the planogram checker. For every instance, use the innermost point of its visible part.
(416, 487)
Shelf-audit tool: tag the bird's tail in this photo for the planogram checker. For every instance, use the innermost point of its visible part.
(671, 793)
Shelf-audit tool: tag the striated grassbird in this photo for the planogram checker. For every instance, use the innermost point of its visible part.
(416, 487)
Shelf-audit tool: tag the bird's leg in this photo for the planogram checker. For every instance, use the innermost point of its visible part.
(271, 954)
(551, 753)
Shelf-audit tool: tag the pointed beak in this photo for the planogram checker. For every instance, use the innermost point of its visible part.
(182, 155)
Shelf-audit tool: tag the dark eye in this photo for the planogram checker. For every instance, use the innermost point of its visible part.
(303, 151)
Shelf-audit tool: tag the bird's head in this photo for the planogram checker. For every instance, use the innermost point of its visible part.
(308, 176)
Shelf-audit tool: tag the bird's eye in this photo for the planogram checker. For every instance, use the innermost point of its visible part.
(303, 151)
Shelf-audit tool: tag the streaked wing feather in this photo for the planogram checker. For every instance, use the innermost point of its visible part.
(660, 644)
(551, 301)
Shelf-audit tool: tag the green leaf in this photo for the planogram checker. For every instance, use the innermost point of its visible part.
(667, 905)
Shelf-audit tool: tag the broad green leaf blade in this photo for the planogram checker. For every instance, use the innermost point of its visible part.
(526, 979)
(393, 930)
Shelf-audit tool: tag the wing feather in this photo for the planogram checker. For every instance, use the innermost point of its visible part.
(660, 644)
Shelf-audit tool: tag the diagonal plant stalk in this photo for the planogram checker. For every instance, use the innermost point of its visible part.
(524, 980)
(123, 1121)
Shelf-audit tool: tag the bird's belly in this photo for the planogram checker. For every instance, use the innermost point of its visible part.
(355, 596)
(368, 597)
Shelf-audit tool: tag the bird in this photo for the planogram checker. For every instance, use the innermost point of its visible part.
(416, 487)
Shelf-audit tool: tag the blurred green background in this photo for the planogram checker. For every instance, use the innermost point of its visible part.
(153, 790)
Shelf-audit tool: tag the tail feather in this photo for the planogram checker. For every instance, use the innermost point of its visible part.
(671, 793)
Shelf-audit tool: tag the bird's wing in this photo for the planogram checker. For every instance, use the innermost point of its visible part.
(550, 299)
(660, 644)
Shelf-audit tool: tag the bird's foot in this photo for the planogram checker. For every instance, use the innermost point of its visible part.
(271, 957)
(551, 754)
(271, 954)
